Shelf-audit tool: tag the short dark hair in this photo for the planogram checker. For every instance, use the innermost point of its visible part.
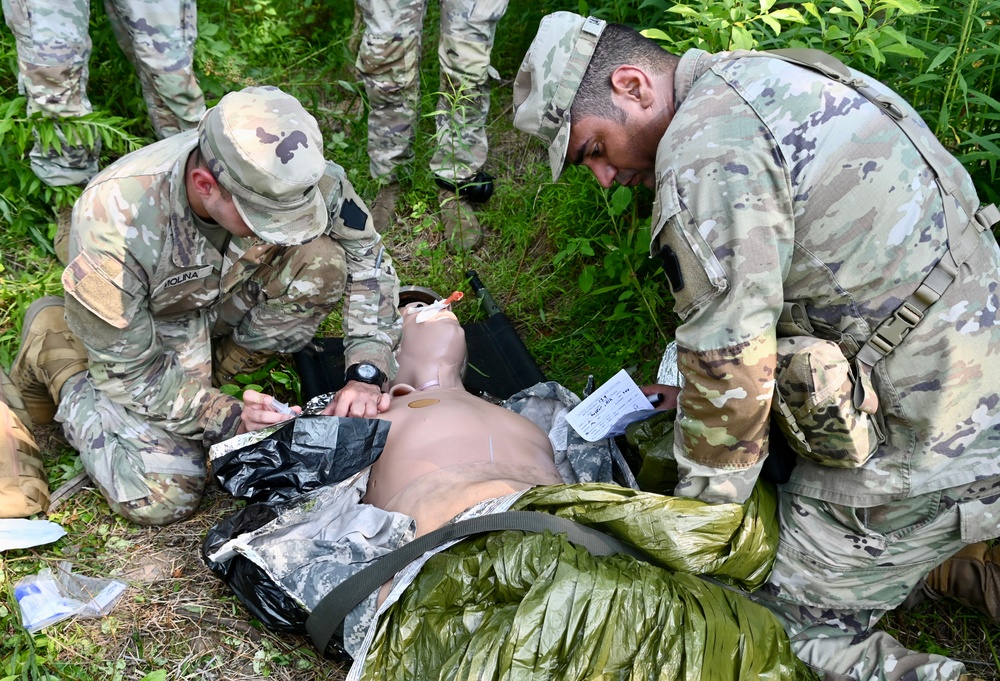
(618, 45)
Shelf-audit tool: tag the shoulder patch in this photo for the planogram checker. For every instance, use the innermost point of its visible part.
(353, 215)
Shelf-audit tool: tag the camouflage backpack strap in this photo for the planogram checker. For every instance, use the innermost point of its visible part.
(963, 237)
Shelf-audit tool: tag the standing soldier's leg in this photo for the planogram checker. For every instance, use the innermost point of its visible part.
(158, 36)
(468, 28)
(389, 64)
(53, 49)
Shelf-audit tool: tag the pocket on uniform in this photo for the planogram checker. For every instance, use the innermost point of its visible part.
(814, 405)
(980, 519)
(694, 274)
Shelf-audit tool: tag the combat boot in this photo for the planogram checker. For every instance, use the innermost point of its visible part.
(971, 577)
(49, 356)
(24, 488)
(64, 218)
(461, 226)
(384, 208)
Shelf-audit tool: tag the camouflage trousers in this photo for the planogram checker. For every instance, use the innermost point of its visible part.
(53, 53)
(151, 475)
(389, 63)
(840, 569)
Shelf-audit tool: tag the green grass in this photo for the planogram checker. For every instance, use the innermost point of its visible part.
(567, 262)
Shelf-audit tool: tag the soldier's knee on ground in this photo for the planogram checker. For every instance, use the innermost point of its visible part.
(171, 498)
(971, 577)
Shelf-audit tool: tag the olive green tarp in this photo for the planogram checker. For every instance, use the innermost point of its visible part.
(511, 605)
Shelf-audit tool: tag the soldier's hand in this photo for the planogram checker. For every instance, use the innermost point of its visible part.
(665, 396)
(359, 400)
(260, 411)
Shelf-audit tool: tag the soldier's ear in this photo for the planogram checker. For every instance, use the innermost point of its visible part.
(632, 85)
(202, 181)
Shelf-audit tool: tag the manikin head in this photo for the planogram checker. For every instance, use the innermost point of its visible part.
(432, 352)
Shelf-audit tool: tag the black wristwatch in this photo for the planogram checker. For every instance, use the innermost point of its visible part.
(365, 373)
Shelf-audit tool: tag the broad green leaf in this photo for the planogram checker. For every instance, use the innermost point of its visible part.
(856, 11)
(789, 14)
(772, 23)
(655, 34)
(905, 50)
(620, 200)
(941, 57)
(587, 279)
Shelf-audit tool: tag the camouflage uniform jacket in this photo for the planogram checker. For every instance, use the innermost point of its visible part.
(776, 184)
(159, 291)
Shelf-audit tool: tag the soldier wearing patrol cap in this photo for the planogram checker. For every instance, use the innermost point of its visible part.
(192, 260)
(822, 248)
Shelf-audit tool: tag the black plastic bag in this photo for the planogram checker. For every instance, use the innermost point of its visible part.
(308, 453)
(264, 599)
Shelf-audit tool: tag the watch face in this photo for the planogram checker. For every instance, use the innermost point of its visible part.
(367, 371)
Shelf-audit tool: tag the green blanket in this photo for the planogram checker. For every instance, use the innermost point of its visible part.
(511, 605)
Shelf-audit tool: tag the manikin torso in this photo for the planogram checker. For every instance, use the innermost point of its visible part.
(447, 449)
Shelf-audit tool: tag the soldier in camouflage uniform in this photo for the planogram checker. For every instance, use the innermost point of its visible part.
(389, 63)
(777, 186)
(53, 52)
(222, 245)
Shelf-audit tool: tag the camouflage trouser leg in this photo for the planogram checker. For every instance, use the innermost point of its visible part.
(468, 28)
(148, 475)
(839, 569)
(389, 64)
(158, 36)
(286, 301)
(53, 49)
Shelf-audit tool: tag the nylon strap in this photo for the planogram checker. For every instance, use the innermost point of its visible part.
(327, 617)
(963, 239)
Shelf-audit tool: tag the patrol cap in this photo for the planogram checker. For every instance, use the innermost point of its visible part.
(267, 150)
(549, 77)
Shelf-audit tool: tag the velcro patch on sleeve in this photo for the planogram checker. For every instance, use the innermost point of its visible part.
(98, 288)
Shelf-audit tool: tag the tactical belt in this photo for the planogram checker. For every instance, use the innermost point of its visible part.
(326, 619)
(963, 239)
